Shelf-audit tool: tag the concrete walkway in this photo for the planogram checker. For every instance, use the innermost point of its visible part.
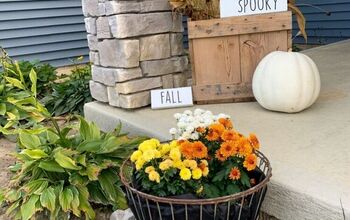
(309, 151)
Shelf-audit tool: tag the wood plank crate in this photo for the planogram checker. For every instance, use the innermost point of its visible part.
(225, 52)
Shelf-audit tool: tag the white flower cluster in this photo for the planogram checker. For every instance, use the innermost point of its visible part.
(188, 122)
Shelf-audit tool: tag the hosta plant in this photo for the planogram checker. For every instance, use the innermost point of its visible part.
(46, 75)
(19, 107)
(71, 92)
(60, 175)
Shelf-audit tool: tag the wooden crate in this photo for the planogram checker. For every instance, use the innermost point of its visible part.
(225, 52)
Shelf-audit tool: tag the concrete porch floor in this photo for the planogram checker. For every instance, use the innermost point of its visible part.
(309, 151)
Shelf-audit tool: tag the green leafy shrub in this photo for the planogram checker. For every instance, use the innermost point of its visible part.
(46, 75)
(70, 93)
(61, 175)
(19, 106)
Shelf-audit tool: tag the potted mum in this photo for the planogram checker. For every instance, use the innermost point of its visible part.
(210, 171)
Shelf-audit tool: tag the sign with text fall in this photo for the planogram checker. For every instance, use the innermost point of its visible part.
(248, 7)
(171, 98)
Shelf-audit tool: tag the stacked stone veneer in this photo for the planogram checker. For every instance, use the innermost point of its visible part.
(135, 46)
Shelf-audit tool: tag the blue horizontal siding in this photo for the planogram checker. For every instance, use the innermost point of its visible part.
(51, 31)
(322, 28)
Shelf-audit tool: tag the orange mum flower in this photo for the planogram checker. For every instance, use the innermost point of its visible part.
(228, 148)
(212, 136)
(200, 130)
(215, 131)
(204, 167)
(199, 150)
(226, 122)
(254, 142)
(186, 149)
(218, 128)
(250, 162)
(235, 174)
(244, 147)
(220, 156)
(229, 135)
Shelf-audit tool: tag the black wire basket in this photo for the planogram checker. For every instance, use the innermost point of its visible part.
(240, 206)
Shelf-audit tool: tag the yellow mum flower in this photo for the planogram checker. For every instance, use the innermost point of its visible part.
(205, 162)
(205, 171)
(166, 164)
(178, 164)
(148, 155)
(136, 155)
(149, 144)
(155, 142)
(149, 169)
(165, 148)
(154, 176)
(174, 144)
(175, 154)
(185, 174)
(139, 163)
(196, 173)
(192, 164)
(157, 153)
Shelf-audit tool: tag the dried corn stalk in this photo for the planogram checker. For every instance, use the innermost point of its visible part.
(197, 9)
(299, 16)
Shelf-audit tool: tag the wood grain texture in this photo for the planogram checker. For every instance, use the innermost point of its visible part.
(216, 60)
(240, 25)
(222, 92)
(254, 47)
(224, 60)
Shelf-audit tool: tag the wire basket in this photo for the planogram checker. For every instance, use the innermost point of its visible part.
(240, 206)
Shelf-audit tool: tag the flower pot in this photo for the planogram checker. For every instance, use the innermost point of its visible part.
(240, 206)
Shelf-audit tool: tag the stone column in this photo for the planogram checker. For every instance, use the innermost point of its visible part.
(135, 46)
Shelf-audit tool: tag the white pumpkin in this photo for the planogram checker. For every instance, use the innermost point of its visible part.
(286, 82)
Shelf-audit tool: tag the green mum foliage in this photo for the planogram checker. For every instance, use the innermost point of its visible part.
(60, 175)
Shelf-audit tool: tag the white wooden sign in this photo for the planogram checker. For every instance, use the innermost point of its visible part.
(230, 8)
(171, 98)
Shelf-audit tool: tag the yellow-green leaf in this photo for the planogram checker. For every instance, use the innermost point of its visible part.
(34, 154)
(11, 116)
(65, 161)
(51, 166)
(36, 186)
(93, 171)
(14, 82)
(29, 141)
(2, 108)
(28, 208)
(48, 199)
(65, 199)
(33, 79)
(84, 202)
(75, 202)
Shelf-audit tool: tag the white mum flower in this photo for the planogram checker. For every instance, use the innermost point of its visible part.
(181, 125)
(173, 131)
(189, 129)
(186, 135)
(177, 116)
(188, 112)
(194, 136)
(198, 111)
(189, 119)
